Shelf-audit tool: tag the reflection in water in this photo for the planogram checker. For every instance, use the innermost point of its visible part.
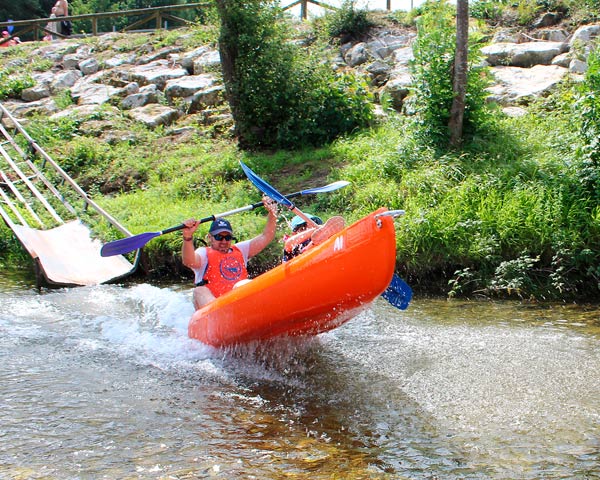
(103, 382)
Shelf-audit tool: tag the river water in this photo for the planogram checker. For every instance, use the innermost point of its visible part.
(102, 382)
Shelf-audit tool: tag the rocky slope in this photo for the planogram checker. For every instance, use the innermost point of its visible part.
(181, 87)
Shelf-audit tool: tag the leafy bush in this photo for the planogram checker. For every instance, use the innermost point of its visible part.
(588, 108)
(486, 10)
(347, 22)
(280, 97)
(336, 104)
(515, 276)
(13, 83)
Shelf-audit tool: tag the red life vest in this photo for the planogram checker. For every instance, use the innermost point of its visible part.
(224, 270)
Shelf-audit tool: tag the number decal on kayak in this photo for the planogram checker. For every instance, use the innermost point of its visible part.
(339, 244)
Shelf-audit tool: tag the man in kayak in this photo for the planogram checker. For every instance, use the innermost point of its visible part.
(220, 265)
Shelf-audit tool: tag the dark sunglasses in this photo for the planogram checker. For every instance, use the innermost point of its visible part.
(299, 227)
(219, 237)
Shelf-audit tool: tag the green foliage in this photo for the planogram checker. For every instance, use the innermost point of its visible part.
(486, 10)
(588, 108)
(514, 213)
(527, 11)
(336, 104)
(283, 98)
(54, 132)
(432, 70)
(11, 252)
(63, 99)
(83, 153)
(12, 83)
(515, 276)
(504, 217)
(346, 22)
(202, 15)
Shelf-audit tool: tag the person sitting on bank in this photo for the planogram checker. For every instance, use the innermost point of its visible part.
(7, 43)
(219, 266)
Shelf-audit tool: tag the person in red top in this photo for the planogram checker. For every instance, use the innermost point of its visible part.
(219, 266)
(8, 43)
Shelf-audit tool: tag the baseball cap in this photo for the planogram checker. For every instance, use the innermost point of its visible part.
(220, 225)
(298, 222)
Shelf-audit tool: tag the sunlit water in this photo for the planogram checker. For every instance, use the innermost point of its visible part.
(103, 382)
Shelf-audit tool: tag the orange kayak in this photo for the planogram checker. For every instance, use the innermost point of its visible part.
(310, 294)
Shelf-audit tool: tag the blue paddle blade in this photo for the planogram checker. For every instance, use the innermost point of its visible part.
(264, 187)
(398, 293)
(128, 244)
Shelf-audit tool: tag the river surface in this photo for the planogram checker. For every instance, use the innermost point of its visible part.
(102, 382)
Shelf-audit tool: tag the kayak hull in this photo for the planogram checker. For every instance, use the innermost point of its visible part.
(310, 294)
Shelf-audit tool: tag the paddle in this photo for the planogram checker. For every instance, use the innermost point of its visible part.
(270, 191)
(398, 293)
(129, 244)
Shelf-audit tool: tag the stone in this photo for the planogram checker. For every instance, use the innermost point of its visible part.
(154, 115)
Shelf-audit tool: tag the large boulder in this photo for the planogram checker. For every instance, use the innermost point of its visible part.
(153, 115)
(158, 73)
(143, 96)
(516, 86)
(523, 55)
(187, 86)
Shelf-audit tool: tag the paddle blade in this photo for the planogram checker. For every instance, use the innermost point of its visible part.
(327, 188)
(126, 245)
(265, 187)
(398, 293)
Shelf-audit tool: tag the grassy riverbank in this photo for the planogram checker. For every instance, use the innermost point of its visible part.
(505, 216)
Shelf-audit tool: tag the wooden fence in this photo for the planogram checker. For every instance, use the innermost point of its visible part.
(304, 6)
(157, 16)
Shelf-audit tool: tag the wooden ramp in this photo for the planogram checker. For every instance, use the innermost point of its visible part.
(68, 256)
(42, 205)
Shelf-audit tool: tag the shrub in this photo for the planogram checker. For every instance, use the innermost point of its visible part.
(12, 83)
(280, 97)
(486, 10)
(588, 108)
(347, 22)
